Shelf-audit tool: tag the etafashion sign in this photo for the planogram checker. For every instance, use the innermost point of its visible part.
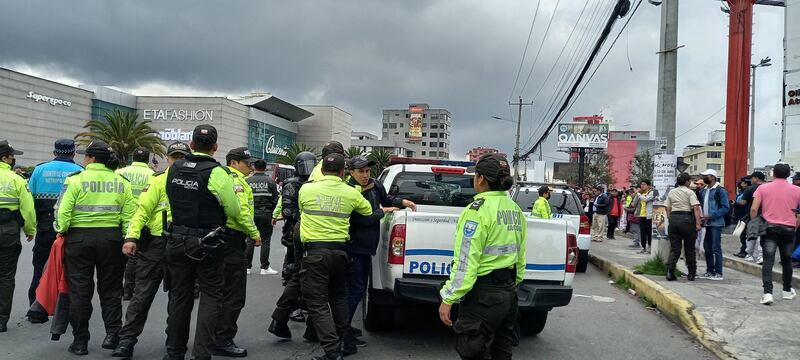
(178, 115)
(583, 136)
(48, 99)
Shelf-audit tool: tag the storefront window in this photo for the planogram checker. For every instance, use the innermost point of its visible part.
(268, 142)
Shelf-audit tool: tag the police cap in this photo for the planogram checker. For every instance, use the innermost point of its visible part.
(333, 162)
(332, 147)
(205, 134)
(97, 147)
(6, 149)
(240, 154)
(64, 146)
(178, 148)
(359, 162)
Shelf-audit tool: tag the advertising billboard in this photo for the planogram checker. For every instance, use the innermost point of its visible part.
(583, 136)
(415, 123)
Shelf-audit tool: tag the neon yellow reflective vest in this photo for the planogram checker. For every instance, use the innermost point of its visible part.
(16, 196)
(490, 235)
(138, 173)
(278, 209)
(628, 200)
(152, 202)
(94, 198)
(316, 175)
(541, 209)
(325, 208)
(244, 222)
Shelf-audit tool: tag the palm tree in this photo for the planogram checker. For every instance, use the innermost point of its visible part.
(292, 151)
(381, 157)
(124, 133)
(352, 152)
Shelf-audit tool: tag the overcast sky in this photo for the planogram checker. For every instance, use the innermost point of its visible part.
(364, 56)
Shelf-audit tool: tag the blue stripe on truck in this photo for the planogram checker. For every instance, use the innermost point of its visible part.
(439, 252)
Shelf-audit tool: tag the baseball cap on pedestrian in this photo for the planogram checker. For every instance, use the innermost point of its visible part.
(492, 166)
(759, 175)
(204, 134)
(240, 154)
(709, 172)
(360, 162)
(64, 146)
(178, 148)
(6, 149)
(333, 162)
(332, 147)
(97, 147)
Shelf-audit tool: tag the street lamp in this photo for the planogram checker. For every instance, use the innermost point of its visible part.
(763, 63)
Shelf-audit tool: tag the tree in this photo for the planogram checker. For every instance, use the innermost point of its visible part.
(352, 152)
(381, 157)
(641, 167)
(124, 133)
(598, 169)
(292, 151)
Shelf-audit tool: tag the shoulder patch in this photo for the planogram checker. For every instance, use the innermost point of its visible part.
(470, 227)
(75, 173)
(238, 188)
(476, 205)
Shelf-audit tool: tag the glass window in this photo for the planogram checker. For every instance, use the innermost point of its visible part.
(423, 153)
(714, 155)
(434, 135)
(401, 124)
(715, 166)
(406, 134)
(424, 134)
(443, 135)
(434, 126)
(392, 125)
(407, 116)
(424, 116)
(424, 144)
(433, 144)
(441, 145)
(434, 189)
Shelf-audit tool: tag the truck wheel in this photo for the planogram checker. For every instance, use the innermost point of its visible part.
(377, 317)
(532, 322)
(583, 261)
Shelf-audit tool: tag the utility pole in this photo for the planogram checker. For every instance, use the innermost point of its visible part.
(519, 125)
(752, 153)
(667, 74)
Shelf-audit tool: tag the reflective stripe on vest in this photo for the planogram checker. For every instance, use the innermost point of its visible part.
(98, 208)
(501, 249)
(326, 213)
(9, 200)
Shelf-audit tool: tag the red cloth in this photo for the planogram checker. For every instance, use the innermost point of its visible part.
(54, 281)
(616, 209)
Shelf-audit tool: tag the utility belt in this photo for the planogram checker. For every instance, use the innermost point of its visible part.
(198, 243)
(499, 277)
(7, 216)
(325, 245)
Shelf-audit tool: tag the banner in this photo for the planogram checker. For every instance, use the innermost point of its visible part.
(415, 124)
(583, 136)
(664, 176)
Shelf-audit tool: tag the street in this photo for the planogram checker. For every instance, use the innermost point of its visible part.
(586, 329)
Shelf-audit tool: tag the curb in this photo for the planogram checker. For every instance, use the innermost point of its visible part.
(755, 269)
(673, 306)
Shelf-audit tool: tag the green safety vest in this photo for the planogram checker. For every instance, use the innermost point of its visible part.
(278, 209)
(244, 222)
(138, 173)
(16, 196)
(152, 202)
(541, 209)
(95, 197)
(490, 235)
(325, 209)
(628, 200)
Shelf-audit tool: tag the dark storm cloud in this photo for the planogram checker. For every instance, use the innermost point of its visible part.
(364, 56)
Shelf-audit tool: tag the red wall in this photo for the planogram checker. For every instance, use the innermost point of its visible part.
(621, 153)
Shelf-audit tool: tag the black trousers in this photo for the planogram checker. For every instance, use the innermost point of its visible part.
(485, 328)
(781, 239)
(646, 228)
(265, 228)
(41, 252)
(10, 248)
(322, 282)
(682, 234)
(235, 290)
(130, 274)
(88, 249)
(613, 222)
(289, 300)
(149, 273)
(183, 272)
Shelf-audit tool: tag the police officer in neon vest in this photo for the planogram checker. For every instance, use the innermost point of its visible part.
(16, 210)
(201, 198)
(325, 207)
(138, 173)
(541, 207)
(91, 213)
(144, 240)
(46, 183)
(488, 264)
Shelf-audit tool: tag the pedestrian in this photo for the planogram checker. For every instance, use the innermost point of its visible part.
(541, 207)
(365, 233)
(777, 201)
(326, 206)
(601, 208)
(796, 179)
(741, 213)
(627, 205)
(632, 211)
(16, 211)
(614, 213)
(683, 209)
(588, 200)
(753, 246)
(92, 211)
(796, 263)
(645, 214)
(715, 205)
(45, 184)
(138, 173)
(201, 197)
(488, 264)
(146, 241)
(265, 197)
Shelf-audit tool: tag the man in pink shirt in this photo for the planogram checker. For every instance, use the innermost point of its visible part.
(777, 201)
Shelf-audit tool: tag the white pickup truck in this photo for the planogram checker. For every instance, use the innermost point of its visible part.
(416, 248)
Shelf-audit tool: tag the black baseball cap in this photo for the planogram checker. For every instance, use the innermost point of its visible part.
(332, 147)
(796, 176)
(333, 162)
(64, 146)
(491, 166)
(178, 148)
(241, 154)
(140, 151)
(359, 162)
(758, 174)
(6, 149)
(205, 134)
(260, 164)
(97, 147)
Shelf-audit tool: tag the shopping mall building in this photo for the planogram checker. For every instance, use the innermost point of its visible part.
(34, 112)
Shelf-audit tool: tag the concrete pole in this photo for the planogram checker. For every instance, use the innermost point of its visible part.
(667, 74)
(752, 152)
(516, 146)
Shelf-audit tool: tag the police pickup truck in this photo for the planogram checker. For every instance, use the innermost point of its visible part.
(416, 248)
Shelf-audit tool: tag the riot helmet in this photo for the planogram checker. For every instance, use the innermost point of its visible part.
(304, 163)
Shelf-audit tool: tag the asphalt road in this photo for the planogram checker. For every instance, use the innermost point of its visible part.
(589, 328)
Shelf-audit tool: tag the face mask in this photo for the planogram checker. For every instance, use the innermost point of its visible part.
(707, 179)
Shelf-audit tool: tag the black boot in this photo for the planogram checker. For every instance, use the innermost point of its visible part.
(111, 342)
(330, 356)
(671, 275)
(3, 327)
(229, 349)
(311, 334)
(124, 350)
(78, 348)
(280, 330)
(348, 346)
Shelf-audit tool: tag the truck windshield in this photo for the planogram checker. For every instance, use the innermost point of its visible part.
(434, 189)
(560, 202)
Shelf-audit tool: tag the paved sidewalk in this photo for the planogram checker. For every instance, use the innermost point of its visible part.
(734, 319)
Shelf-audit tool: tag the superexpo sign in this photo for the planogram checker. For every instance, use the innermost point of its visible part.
(793, 97)
(48, 99)
(583, 135)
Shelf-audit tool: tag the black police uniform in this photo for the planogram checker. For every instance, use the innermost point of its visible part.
(265, 198)
(289, 300)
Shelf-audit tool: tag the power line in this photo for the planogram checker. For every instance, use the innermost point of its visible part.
(541, 45)
(701, 123)
(521, 62)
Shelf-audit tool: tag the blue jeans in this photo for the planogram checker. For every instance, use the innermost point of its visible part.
(712, 245)
(357, 281)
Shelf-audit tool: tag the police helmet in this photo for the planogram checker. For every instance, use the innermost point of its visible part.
(304, 163)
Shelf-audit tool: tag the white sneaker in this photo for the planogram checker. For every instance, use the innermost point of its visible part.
(268, 271)
(749, 258)
(789, 295)
(766, 299)
(716, 277)
(248, 271)
(760, 261)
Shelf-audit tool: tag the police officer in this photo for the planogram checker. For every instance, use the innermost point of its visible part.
(16, 210)
(236, 232)
(332, 147)
(138, 173)
(325, 207)
(201, 198)
(488, 263)
(541, 207)
(265, 197)
(304, 164)
(92, 211)
(46, 183)
(145, 241)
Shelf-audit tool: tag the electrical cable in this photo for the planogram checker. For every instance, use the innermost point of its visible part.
(524, 53)
(541, 45)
